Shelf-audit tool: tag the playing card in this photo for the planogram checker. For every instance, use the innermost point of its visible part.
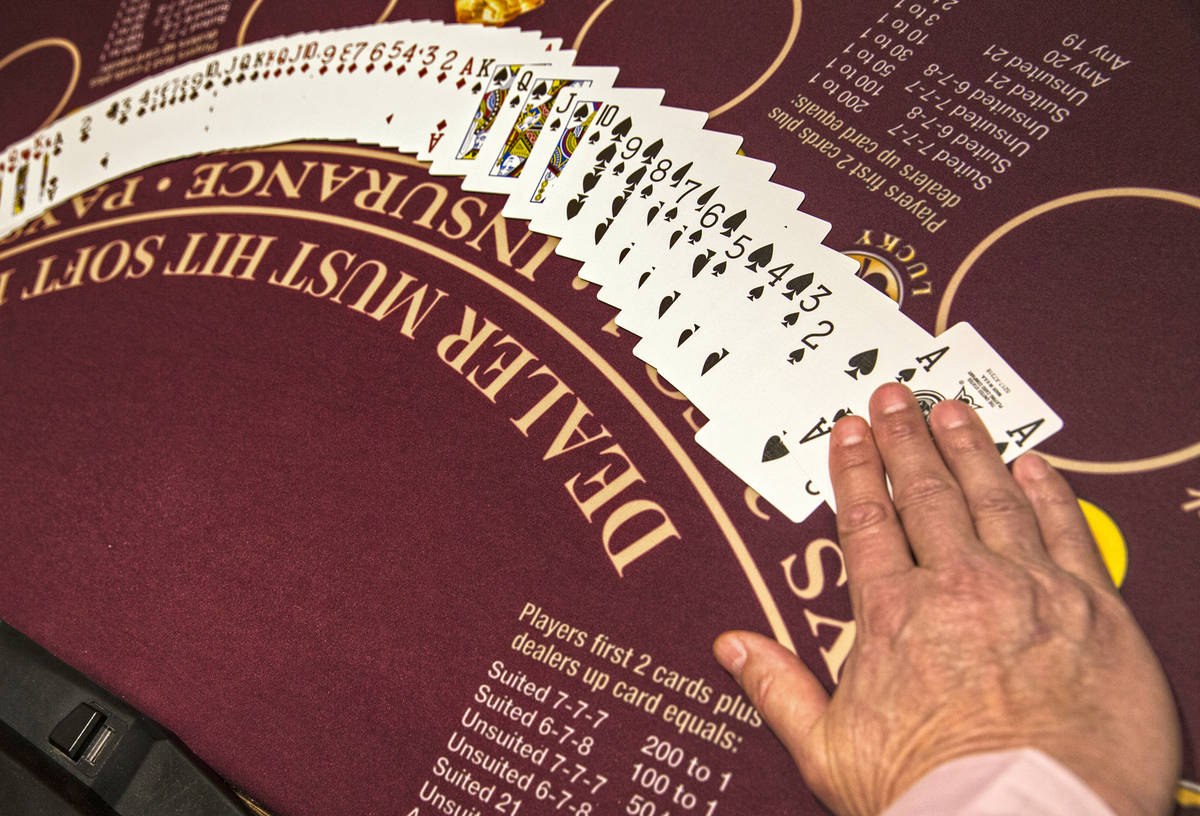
(451, 121)
(617, 171)
(554, 150)
(359, 72)
(516, 104)
(773, 474)
(22, 176)
(768, 446)
(82, 160)
(398, 82)
(802, 430)
(134, 122)
(777, 345)
(959, 364)
(256, 95)
(690, 304)
(676, 278)
(43, 182)
(504, 156)
(670, 182)
(610, 142)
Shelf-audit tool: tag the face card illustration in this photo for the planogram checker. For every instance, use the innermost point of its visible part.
(24, 170)
(615, 137)
(434, 116)
(576, 145)
(544, 98)
(19, 189)
(524, 135)
(568, 141)
(491, 104)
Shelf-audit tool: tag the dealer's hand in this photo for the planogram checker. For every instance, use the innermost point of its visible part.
(985, 621)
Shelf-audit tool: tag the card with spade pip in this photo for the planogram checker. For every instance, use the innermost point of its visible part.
(694, 205)
(578, 139)
(960, 364)
(551, 100)
(584, 183)
(772, 323)
(769, 469)
(736, 218)
(617, 171)
(768, 445)
(509, 96)
(801, 430)
(656, 188)
(664, 172)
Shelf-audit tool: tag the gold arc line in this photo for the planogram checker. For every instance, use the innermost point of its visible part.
(797, 12)
(76, 63)
(588, 24)
(250, 12)
(1120, 467)
(793, 31)
(1123, 467)
(708, 496)
(387, 10)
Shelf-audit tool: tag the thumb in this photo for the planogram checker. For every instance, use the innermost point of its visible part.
(783, 690)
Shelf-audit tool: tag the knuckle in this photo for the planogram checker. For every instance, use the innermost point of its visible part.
(966, 584)
(967, 441)
(1054, 497)
(998, 501)
(1076, 605)
(905, 427)
(761, 688)
(924, 489)
(1073, 539)
(882, 606)
(861, 516)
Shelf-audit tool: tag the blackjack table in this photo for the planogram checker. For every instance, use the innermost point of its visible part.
(325, 537)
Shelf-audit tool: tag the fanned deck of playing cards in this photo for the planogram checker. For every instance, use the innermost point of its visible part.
(738, 303)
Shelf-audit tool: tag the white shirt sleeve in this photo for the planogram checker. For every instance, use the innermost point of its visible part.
(1023, 782)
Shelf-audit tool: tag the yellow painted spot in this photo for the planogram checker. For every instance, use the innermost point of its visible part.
(1188, 794)
(1108, 539)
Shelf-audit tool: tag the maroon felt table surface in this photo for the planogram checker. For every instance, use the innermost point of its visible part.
(315, 537)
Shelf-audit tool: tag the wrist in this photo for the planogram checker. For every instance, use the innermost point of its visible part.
(1023, 780)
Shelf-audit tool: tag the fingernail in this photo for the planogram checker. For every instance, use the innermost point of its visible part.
(893, 398)
(1035, 466)
(849, 431)
(952, 414)
(730, 654)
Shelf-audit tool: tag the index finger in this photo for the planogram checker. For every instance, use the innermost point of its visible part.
(873, 542)
(932, 508)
